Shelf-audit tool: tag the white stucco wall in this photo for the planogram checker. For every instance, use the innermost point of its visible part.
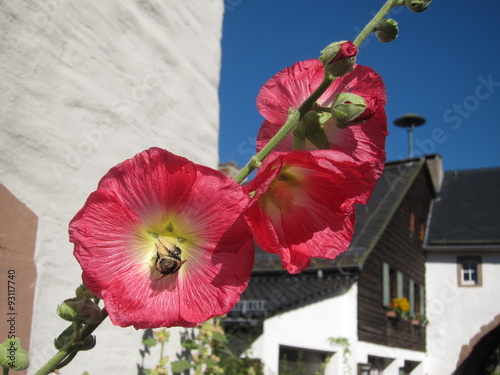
(457, 314)
(397, 355)
(86, 85)
(310, 327)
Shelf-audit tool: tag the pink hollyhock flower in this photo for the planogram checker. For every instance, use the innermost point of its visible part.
(303, 204)
(290, 87)
(163, 241)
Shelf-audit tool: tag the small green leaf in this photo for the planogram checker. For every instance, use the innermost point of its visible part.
(181, 366)
(220, 337)
(149, 342)
(210, 362)
(190, 344)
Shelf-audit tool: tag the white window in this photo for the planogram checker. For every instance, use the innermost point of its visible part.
(469, 271)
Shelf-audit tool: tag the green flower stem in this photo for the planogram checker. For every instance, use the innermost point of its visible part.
(5, 371)
(295, 116)
(386, 8)
(70, 347)
(291, 122)
(66, 360)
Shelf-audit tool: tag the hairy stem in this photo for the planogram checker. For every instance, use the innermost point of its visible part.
(290, 124)
(386, 8)
(67, 351)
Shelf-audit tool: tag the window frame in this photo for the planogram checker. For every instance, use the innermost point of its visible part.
(392, 284)
(461, 260)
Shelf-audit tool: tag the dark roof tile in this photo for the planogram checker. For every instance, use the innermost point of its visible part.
(467, 210)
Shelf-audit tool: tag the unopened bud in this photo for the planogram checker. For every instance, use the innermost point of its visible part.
(339, 58)
(299, 136)
(82, 292)
(417, 6)
(12, 355)
(64, 338)
(88, 343)
(351, 109)
(387, 30)
(79, 310)
(162, 335)
(310, 128)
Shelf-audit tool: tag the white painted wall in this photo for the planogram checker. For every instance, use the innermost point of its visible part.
(310, 327)
(399, 356)
(86, 85)
(457, 314)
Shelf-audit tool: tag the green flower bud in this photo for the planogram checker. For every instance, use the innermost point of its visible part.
(310, 128)
(417, 6)
(12, 355)
(88, 343)
(65, 337)
(67, 309)
(78, 310)
(162, 335)
(351, 109)
(387, 30)
(339, 58)
(299, 136)
(82, 292)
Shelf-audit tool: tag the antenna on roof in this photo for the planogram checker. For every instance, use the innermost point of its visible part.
(410, 121)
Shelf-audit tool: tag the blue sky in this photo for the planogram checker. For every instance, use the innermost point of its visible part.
(444, 66)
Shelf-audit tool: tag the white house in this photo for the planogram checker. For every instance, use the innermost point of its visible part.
(463, 274)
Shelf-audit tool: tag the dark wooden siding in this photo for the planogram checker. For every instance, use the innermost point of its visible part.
(400, 247)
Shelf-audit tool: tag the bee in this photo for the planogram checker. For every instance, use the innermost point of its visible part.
(168, 258)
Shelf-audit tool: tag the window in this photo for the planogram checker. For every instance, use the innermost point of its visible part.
(411, 224)
(421, 233)
(392, 284)
(416, 298)
(469, 271)
(421, 298)
(302, 361)
(375, 365)
(411, 297)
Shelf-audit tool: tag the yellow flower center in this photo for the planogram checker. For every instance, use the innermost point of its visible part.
(284, 191)
(164, 243)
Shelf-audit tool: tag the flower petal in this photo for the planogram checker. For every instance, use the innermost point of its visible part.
(115, 233)
(289, 88)
(303, 204)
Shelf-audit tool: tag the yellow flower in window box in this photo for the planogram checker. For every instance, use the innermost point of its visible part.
(400, 306)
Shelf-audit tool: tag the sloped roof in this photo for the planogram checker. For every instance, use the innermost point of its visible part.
(271, 293)
(371, 219)
(467, 210)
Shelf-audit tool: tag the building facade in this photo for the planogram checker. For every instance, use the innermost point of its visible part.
(428, 236)
(463, 274)
(84, 87)
(338, 309)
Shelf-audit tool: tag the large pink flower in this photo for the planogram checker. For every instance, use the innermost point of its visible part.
(290, 87)
(163, 241)
(303, 204)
